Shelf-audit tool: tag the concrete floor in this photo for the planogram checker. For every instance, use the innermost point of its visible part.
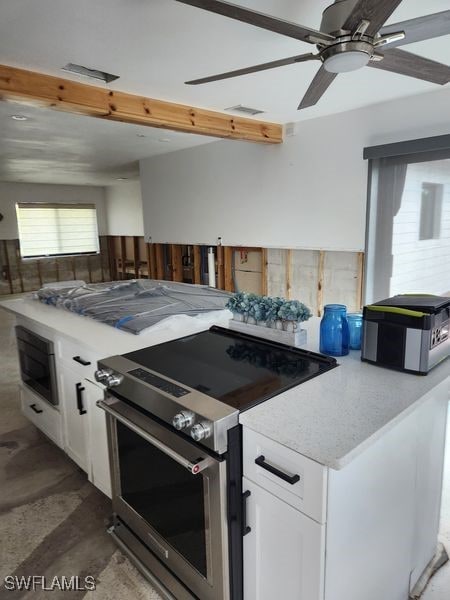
(53, 521)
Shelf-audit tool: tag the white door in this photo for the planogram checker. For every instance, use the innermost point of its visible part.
(98, 441)
(74, 409)
(284, 552)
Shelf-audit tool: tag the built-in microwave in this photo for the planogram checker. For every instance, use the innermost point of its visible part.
(37, 364)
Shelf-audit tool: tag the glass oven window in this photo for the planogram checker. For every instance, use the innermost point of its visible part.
(35, 369)
(165, 494)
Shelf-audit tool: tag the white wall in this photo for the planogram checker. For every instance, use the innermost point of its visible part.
(124, 209)
(11, 193)
(309, 192)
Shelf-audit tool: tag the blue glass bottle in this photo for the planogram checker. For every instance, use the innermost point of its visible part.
(355, 328)
(334, 333)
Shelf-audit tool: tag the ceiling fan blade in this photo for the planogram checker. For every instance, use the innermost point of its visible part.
(422, 28)
(319, 85)
(262, 67)
(258, 19)
(412, 65)
(375, 11)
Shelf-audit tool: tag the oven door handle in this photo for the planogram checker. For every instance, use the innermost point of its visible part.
(193, 467)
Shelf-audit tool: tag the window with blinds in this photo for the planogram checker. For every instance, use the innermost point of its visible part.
(57, 229)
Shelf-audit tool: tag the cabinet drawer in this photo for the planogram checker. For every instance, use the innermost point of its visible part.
(44, 416)
(76, 356)
(297, 480)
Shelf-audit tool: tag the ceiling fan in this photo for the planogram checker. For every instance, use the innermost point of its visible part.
(351, 36)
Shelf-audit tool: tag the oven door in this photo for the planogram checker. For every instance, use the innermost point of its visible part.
(172, 495)
(37, 364)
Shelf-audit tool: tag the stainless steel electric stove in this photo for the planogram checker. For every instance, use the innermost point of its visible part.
(175, 452)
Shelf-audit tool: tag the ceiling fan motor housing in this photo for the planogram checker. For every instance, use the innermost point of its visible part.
(335, 15)
(346, 56)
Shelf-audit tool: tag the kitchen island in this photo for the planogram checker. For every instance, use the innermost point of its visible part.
(76, 424)
(360, 448)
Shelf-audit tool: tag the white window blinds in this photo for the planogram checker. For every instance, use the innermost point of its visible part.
(57, 229)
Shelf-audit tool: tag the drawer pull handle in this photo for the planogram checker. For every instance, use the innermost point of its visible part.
(261, 462)
(36, 410)
(80, 389)
(81, 361)
(245, 528)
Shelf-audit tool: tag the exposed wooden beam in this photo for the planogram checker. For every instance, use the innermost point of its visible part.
(264, 263)
(228, 268)
(288, 274)
(72, 96)
(220, 269)
(177, 262)
(320, 280)
(8, 266)
(123, 256)
(151, 261)
(159, 257)
(18, 261)
(136, 256)
(197, 264)
(112, 259)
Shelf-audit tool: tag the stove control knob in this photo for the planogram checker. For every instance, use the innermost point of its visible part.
(102, 375)
(201, 431)
(114, 379)
(182, 420)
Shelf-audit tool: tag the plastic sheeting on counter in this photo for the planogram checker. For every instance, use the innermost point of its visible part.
(136, 304)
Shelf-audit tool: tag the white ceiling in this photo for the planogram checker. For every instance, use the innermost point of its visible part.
(154, 46)
(57, 147)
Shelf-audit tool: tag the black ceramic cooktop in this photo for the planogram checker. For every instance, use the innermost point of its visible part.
(238, 369)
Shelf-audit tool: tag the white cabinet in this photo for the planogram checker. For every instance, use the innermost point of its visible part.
(85, 439)
(375, 522)
(74, 410)
(46, 417)
(284, 552)
(77, 425)
(85, 423)
(99, 473)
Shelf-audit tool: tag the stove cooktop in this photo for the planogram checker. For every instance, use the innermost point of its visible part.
(237, 369)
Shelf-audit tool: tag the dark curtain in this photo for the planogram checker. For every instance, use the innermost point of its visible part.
(391, 184)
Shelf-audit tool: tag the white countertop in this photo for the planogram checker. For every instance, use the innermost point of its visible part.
(335, 416)
(104, 339)
(330, 419)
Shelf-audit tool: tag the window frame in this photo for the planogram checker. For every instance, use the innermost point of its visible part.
(57, 205)
(408, 152)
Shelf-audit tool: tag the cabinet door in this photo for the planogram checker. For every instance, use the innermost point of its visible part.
(284, 551)
(99, 472)
(74, 408)
(431, 424)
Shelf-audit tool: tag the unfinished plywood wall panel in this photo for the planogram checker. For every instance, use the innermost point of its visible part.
(341, 279)
(315, 277)
(248, 269)
(276, 272)
(304, 277)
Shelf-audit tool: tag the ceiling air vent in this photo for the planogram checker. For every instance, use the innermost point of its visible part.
(247, 110)
(93, 73)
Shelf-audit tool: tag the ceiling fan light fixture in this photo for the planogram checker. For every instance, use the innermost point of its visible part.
(346, 61)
